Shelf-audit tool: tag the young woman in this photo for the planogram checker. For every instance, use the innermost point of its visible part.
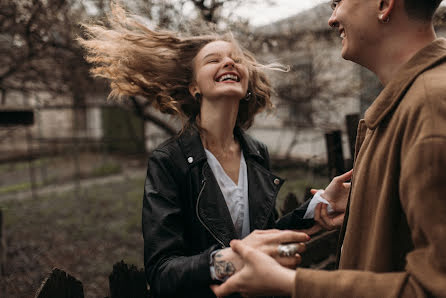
(211, 183)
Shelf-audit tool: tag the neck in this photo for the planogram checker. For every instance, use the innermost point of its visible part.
(398, 49)
(218, 118)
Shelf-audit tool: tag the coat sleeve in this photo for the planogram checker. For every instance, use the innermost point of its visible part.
(170, 271)
(423, 199)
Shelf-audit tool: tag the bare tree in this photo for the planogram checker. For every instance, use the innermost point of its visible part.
(38, 51)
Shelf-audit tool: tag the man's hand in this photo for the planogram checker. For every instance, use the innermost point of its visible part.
(261, 275)
(336, 194)
(325, 220)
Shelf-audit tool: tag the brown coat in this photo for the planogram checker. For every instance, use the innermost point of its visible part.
(395, 235)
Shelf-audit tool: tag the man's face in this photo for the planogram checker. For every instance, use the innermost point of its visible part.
(357, 23)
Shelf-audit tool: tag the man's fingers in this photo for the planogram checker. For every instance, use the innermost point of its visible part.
(317, 212)
(225, 289)
(290, 262)
(327, 223)
(346, 176)
(289, 236)
(313, 191)
(270, 231)
(243, 250)
(338, 220)
(347, 185)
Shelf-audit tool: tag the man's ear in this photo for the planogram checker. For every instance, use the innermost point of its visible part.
(385, 9)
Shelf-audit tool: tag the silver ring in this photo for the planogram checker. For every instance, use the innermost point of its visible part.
(288, 250)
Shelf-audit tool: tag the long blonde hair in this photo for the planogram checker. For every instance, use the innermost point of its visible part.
(158, 66)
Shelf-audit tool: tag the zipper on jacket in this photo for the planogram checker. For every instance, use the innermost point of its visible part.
(201, 221)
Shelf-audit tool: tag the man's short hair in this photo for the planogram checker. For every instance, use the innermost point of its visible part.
(421, 9)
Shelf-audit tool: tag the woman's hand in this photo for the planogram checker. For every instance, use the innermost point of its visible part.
(226, 262)
(261, 275)
(268, 241)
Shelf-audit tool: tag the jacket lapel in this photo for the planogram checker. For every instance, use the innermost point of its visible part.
(263, 187)
(213, 211)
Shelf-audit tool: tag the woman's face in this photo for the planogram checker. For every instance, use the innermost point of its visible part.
(219, 71)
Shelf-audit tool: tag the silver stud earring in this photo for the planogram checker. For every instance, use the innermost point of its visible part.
(198, 96)
(247, 97)
(382, 20)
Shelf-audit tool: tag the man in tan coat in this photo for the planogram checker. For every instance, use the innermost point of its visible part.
(393, 239)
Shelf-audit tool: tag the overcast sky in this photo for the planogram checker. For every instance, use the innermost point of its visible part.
(261, 14)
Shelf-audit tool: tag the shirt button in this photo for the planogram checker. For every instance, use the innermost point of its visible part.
(190, 159)
(276, 181)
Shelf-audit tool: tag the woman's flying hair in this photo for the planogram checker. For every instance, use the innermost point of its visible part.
(158, 65)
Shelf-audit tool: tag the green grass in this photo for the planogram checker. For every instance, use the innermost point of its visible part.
(24, 186)
(296, 182)
(86, 236)
(24, 165)
(105, 169)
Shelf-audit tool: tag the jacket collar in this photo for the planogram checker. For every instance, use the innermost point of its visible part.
(393, 93)
(193, 149)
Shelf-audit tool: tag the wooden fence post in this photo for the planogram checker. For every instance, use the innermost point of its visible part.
(335, 156)
(351, 122)
(61, 285)
(2, 246)
(127, 281)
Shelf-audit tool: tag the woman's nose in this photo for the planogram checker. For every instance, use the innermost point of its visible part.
(229, 62)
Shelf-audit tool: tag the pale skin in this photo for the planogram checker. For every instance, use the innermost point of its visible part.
(377, 34)
(261, 275)
(218, 114)
(336, 194)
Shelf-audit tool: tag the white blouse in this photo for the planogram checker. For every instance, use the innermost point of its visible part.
(236, 195)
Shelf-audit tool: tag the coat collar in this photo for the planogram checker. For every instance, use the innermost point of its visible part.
(193, 149)
(391, 96)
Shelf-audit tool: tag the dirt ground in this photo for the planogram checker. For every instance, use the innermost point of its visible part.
(84, 237)
(84, 234)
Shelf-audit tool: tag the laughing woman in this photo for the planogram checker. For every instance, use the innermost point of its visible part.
(212, 182)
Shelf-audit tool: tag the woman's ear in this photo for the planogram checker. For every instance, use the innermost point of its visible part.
(193, 89)
(385, 9)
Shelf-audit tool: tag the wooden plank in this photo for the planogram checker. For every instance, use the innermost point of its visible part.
(351, 122)
(127, 281)
(2, 246)
(61, 285)
(335, 156)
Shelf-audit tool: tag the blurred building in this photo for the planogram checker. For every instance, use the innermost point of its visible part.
(311, 100)
(321, 88)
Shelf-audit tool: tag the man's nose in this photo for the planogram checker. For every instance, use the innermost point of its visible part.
(332, 22)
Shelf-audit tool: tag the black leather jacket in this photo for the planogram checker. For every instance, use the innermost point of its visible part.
(185, 216)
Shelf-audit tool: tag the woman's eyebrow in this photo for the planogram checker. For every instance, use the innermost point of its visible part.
(210, 55)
